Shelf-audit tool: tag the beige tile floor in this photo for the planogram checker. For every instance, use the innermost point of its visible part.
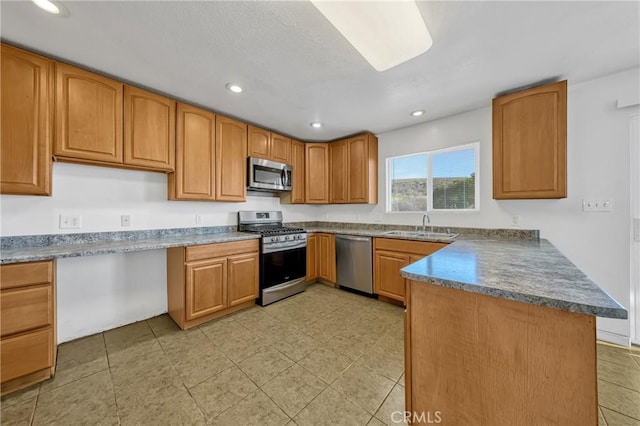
(324, 357)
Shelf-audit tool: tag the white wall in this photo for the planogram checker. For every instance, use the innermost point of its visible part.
(598, 167)
(97, 293)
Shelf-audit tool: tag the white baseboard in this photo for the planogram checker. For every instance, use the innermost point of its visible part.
(618, 339)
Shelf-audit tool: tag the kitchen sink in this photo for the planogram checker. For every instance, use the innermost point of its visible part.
(421, 234)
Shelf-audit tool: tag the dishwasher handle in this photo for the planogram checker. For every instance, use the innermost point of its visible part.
(352, 238)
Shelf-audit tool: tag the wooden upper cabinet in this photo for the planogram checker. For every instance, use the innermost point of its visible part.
(316, 182)
(25, 148)
(280, 148)
(88, 116)
(530, 143)
(231, 160)
(339, 175)
(259, 141)
(194, 177)
(149, 129)
(362, 182)
(270, 146)
(297, 162)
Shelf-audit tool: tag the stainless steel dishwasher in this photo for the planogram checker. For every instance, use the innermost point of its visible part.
(354, 265)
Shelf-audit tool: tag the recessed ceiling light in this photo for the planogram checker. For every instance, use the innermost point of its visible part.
(417, 113)
(233, 87)
(52, 6)
(315, 124)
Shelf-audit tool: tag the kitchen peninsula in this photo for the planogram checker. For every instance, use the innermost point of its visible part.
(502, 332)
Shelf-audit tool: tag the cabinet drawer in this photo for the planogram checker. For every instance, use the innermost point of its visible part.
(21, 274)
(26, 354)
(209, 251)
(25, 309)
(407, 246)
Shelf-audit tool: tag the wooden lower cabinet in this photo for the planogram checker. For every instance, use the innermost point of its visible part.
(321, 258)
(391, 255)
(27, 323)
(211, 280)
(473, 359)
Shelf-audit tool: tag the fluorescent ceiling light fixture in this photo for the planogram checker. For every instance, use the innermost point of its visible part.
(417, 113)
(54, 7)
(386, 33)
(234, 88)
(315, 124)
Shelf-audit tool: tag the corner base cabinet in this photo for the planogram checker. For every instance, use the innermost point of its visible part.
(391, 255)
(473, 359)
(211, 280)
(321, 258)
(27, 321)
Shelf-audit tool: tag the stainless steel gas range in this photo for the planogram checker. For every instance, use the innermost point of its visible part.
(283, 254)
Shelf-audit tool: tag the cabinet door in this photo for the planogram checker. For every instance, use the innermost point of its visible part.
(339, 172)
(280, 148)
(88, 116)
(312, 257)
(25, 148)
(242, 283)
(327, 257)
(316, 180)
(206, 287)
(530, 143)
(387, 280)
(259, 141)
(231, 160)
(297, 162)
(194, 178)
(149, 129)
(363, 169)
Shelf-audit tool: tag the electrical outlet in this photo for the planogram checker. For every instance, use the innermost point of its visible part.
(70, 222)
(198, 219)
(515, 220)
(377, 218)
(125, 220)
(597, 205)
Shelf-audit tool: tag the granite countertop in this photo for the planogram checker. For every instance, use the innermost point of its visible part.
(530, 271)
(89, 244)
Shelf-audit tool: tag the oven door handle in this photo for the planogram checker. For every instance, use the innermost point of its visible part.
(283, 286)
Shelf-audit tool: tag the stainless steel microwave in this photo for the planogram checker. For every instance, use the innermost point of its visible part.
(265, 175)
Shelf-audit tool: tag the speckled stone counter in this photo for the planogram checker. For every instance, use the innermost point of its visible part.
(531, 271)
(44, 247)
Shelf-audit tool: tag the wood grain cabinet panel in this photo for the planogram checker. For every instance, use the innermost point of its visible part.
(327, 257)
(194, 177)
(25, 149)
(312, 258)
(298, 164)
(280, 148)
(88, 116)
(268, 145)
(530, 143)
(231, 160)
(149, 129)
(243, 278)
(211, 280)
(391, 255)
(206, 288)
(27, 323)
(25, 309)
(362, 182)
(316, 178)
(338, 178)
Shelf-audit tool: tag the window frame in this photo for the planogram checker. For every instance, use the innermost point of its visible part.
(389, 199)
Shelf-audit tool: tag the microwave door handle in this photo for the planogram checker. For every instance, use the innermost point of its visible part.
(283, 177)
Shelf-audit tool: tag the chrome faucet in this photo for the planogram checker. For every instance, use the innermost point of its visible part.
(428, 220)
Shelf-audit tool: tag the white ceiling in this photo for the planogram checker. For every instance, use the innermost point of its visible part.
(296, 68)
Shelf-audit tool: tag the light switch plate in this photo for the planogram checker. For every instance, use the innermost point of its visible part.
(592, 205)
(125, 220)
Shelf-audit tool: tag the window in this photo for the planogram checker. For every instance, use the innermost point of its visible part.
(442, 180)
